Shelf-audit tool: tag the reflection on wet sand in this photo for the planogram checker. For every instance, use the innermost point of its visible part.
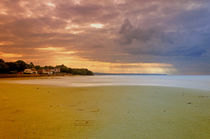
(33, 111)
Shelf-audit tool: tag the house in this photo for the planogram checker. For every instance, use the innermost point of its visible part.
(57, 70)
(49, 71)
(45, 71)
(30, 71)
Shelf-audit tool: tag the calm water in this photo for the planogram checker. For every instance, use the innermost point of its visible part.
(194, 82)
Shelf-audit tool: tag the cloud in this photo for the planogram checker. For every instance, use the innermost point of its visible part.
(121, 31)
(9, 55)
(97, 25)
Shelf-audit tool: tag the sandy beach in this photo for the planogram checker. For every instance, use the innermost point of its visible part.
(109, 112)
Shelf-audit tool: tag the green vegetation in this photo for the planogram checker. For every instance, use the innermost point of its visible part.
(13, 67)
(20, 66)
(72, 71)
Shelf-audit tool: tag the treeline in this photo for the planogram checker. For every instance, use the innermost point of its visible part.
(73, 71)
(20, 66)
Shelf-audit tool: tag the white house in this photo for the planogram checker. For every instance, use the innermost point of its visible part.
(49, 71)
(30, 71)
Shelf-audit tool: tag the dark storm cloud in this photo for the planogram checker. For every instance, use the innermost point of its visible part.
(156, 31)
(182, 39)
(187, 43)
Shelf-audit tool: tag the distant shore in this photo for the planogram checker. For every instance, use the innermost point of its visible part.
(35, 75)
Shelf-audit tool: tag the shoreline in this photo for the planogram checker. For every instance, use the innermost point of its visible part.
(29, 75)
(100, 86)
(97, 81)
(43, 111)
(9, 76)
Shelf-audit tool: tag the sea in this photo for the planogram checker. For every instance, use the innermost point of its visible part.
(201, 82)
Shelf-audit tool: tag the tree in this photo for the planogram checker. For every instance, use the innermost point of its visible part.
(81, 72)
(37, 67)
(2, 61)
(31, 65)
(21, 65)
(48, 67)
(4, 68)
(63, 68)
(12, 67)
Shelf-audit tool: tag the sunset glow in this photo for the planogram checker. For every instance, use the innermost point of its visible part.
(99, 34)
(9, 55)
(51, 4)
(105, 69)
(97, 25)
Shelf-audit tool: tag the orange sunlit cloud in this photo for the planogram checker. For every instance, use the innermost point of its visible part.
(118, 36)
(97, 25)
(51, 4)
(50, 49)
(5, 43)
(9, 55)
(71, 59)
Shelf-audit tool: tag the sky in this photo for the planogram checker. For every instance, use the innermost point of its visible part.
(112, 36)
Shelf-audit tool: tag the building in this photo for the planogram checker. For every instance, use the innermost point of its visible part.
(49, 71)
(30, 71)
(57, 70)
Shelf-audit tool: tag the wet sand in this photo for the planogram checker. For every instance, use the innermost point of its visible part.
(115, 112)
